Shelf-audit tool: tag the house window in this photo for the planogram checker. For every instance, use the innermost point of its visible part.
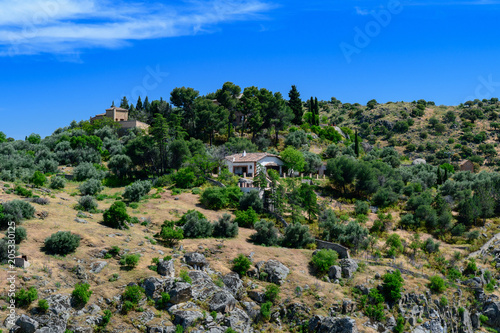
(250, 167)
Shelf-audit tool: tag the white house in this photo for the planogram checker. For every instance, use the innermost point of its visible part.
(246, 164)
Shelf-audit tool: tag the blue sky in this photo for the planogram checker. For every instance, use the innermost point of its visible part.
(64, 60)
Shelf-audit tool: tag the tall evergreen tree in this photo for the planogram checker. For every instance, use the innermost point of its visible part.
(295, 103)
(146, 106)
(316, 111)
(138, 106)
(124, 103)
(228, 97)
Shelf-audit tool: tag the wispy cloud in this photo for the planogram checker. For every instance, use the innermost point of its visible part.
(68, 26)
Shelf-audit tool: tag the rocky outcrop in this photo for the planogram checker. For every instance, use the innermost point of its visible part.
(196, 260)
(180, 293)
(276, 271)
(335, 273)
(97, 267)
(492, 311)
(349, 267)
(26, 324)
(234, 285)
(166, 268)
(239, 321)
(320, 324)
(222, 301)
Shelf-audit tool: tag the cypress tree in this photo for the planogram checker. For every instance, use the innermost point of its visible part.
(316, 111)
(295, 103)
(138, 106)
(439, 179)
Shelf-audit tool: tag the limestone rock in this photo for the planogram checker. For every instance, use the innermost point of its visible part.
(335, 273)
(222, 301)
(196, 260)
(349, 267)
(180, 293)
(26, 324)
(276, 271)
(166, 268)
(234, 285)
(98, 266)
(322, 324)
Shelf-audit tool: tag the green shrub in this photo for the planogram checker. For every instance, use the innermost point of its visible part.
(57, 182)
(87, 170)
(391, 287)
(483, 319)
(196, 225)
(361, 207)
(265, 310)
(87, 203)
(131, 297)
(130, 261)
(43, 305)
(91, 187)
(490, 286)
(25, 297)
(15, 211)
(171, 234)
(19, 190)
(400, 325)
(214, 198)
(241, 264)
(105, 318)
(163, 301)
(246, 218)
(184, 178)
(184, 275)
(375, 307)
(323, 260)
(135, 191)
(225, 227)
(81, 293)
(38, 179)
(266, 234)
(251, 200)
(272, 293)
(443, 301)
(179, 329)
(62, 242)
(116, 216)
(454, 274)
(296, 236)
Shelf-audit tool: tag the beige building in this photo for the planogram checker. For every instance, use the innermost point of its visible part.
(466, 165)
(121, 116)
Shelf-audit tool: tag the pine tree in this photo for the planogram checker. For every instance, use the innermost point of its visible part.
(316, 111)
(356, 143)
(138, 106)
(439, 179)
(146, 106)
(124, 103)
(295, 103)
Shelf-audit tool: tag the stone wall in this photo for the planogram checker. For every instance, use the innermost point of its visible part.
(341, 250)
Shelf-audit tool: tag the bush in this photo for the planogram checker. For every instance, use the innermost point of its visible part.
(91, 187)
(430, 246)
(86, 171)
(296, 236)
(170, 234)
(105, 318)
(323, 260)
(391, 288)
(135, 191)
(184, 178)
(400, 325)
(38, 179)
(87, 203)
(184, 275)
(81, 293)
(296, 139)
(163, 301)
(6, 249)
(361, 207)
(19, 190)
(241, 264)
(116, 216)
(43, 305)
(130, 261)
(246, 218)
(57, 182)
(62, 242)
(25, 297)
(225, 228)
(265, 310)
(15, 211)
(214, 198)
(196, 226)
(272, 293)
(266, 234)
(251, 200)
(132, 294)
(437, 284)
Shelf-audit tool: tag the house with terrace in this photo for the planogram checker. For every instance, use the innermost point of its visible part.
(120, 116)
(247, 164)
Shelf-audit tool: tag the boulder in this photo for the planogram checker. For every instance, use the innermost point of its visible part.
(492, 311)
(97, 266)
(335, 273)
(432, 326)
(252, 309)
(203, 288)
(349, 267)
(180, 293)
(222, 301)
(26, 324)
(187, 318)
(276, 271)
(418, 161)
(153, 287)
(196, 260)
(239, 321)
(166, 268)
(366, 147)
(466, 322)
(322, 324)
(257, 296)
(234, 285)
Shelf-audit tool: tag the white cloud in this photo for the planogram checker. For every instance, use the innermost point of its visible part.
(67, 26)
